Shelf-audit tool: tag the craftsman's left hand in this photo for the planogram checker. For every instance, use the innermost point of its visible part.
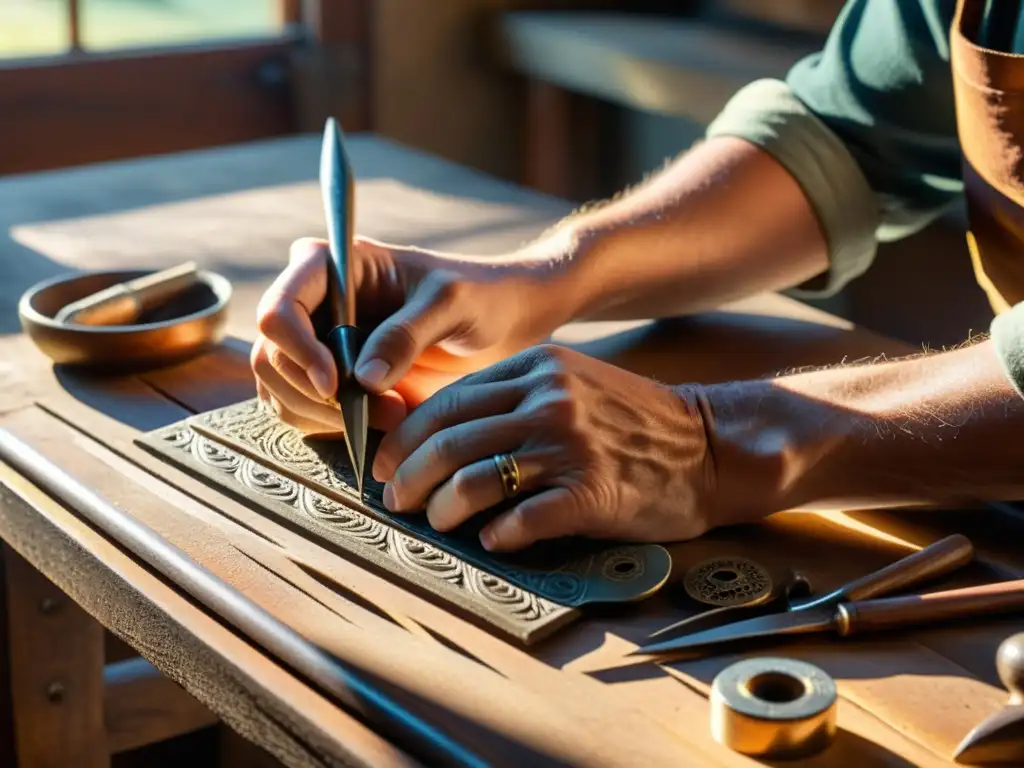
(618, 456)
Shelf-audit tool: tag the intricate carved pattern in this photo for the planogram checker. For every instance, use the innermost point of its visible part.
(247, 450)
(408, 553)
(727, 581)
(614, 574)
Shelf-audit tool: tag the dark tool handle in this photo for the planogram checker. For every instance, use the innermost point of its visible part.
(345, 343)
(937, 559)
(337, 190)
(894, 612)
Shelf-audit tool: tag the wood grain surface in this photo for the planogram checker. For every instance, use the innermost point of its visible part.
(906, 698)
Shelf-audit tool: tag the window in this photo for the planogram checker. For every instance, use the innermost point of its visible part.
(91, 80)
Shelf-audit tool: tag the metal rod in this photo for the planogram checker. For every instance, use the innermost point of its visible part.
(233, 606)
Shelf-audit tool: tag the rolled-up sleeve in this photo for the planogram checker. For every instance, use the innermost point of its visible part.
(767, 113)
(1008, 338)
(867, 127)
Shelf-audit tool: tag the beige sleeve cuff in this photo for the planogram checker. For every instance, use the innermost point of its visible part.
(768, 114)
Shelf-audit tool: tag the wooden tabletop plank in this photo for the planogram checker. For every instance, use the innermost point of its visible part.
(671, 705)
(906, 698)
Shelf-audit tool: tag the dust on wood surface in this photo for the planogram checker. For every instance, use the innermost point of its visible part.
(906, 699)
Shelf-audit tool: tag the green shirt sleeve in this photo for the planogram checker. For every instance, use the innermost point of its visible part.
(867, 127)
(1008, 338)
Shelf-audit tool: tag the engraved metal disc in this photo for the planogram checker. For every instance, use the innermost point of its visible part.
(727, 581)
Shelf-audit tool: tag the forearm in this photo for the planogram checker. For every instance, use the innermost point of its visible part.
(942, 428)
(722, 222)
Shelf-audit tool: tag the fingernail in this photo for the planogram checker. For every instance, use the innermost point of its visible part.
(373, 372)
(487, 539)
(379, 470)
(389, 497)
(321, 381)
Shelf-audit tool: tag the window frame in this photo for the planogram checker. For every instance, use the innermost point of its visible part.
(82, 107)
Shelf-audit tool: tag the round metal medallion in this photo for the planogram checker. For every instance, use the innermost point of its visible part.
(726, 581)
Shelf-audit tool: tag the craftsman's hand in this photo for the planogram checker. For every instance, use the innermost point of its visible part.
(436, 316)
(614, 455)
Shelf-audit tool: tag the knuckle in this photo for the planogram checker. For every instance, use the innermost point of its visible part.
(462, 484)
(449, 403)
(449, 291)
(560, 409)
(270, 315)
(441, 449)
(552, 353)
(580, 513)
(261, 365)
(560, 380)
(401, 338)
(277, 357)
(307, 248)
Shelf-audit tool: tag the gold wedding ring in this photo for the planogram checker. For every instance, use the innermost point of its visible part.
(508, 471)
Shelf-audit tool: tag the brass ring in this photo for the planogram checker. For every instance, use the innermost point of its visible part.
(508, 471)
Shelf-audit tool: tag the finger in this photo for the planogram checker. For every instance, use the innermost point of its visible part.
(292, 372)
(452, 405)
(304, 424)
(448, 451)
(291, 398)
(478, 487)
(262, 392)
(513, 367)
(387, 411)
(549, 515)
(433, 312)
(283, 315)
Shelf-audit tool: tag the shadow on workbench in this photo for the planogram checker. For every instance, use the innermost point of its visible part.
(715, 346)
(153, 399)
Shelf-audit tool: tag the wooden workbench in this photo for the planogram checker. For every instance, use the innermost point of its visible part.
(906, 699)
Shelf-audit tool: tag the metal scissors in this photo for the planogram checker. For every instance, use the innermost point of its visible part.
(345, 340)
(938, 559)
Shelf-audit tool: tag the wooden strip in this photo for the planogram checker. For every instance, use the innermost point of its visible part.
(374, 544)
(250, 692)
(141, 706)
(490, 712)
(56, 657)
(567, 665)
(189, 384)
(164, 101)
(289, 12)
(548, 141)
(74, 25)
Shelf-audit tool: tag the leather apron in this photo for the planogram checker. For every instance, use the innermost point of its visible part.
(989, 88)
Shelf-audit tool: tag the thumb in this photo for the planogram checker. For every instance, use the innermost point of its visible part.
(429, 316)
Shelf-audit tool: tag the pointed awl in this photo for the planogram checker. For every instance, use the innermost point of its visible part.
(345, 340)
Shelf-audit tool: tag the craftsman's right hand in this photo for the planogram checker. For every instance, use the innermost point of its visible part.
(437, 318)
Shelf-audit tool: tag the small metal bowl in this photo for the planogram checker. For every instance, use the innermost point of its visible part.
(185, 327)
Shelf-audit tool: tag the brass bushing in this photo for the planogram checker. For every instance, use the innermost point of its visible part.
(773, 708)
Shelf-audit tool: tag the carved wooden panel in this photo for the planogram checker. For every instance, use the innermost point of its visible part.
(248, 452)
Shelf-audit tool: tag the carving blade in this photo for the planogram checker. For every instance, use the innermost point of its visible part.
(773, 625)
(345, 340)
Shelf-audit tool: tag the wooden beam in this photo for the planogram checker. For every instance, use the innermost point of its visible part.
(289, 12)
(56, 659)
(548, 140)
(337, 21)
(333, 75)
(141, 706)
(73, 110)
(74, 25)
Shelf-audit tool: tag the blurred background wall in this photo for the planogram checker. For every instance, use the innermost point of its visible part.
(577, 98)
